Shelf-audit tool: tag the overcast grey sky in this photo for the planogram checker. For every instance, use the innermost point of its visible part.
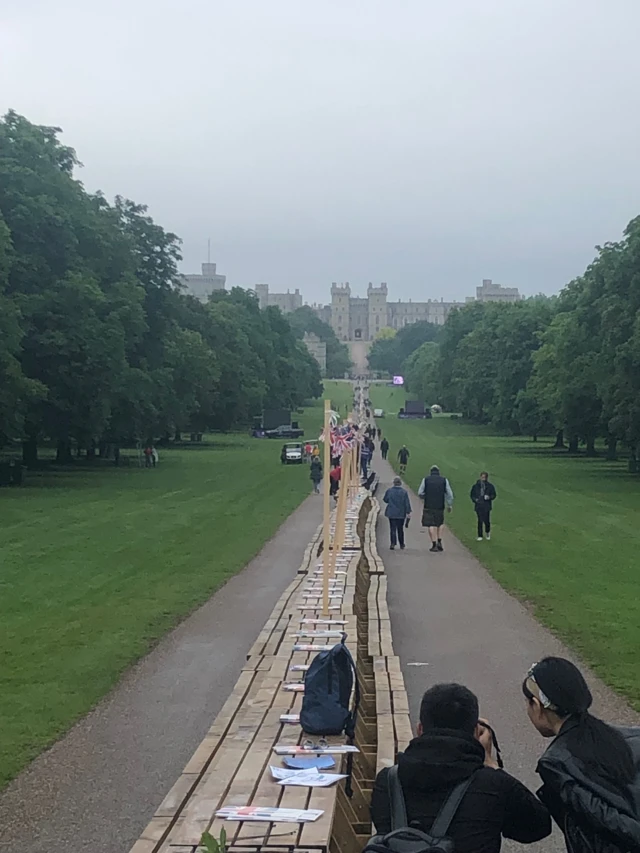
(426, 143)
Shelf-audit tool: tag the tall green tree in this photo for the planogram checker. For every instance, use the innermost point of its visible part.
(388, 354)
(304, 320)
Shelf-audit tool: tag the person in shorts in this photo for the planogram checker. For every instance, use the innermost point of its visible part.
(436, 494)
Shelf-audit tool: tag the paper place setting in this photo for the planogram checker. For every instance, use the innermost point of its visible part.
(311, 778)
(272, 815)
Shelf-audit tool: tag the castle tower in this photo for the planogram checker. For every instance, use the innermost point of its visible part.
(377, 298)
(340, 310)
(262, 292)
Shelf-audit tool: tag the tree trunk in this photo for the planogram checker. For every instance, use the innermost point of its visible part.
(612, 449)
(559, 439)
(91, 450)
(534, 437)
(573, 444)
(63, 453)
(178, 436)
(591, 447)
(30, 452)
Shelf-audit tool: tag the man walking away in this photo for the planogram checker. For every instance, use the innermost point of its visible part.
(365, 457)
(315, 473)
(379, 433)
(436, 491)
(384, 447)
(483, 494)
(452, 747)
(403, 458)
(397, 511)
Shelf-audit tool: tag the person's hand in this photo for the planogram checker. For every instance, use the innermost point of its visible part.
(485, 739)
(449, 509)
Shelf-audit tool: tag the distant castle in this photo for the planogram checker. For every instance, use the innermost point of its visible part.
(355, 318)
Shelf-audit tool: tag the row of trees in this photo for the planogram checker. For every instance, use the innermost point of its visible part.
(568, 365)
(304, 320)
(97, 342)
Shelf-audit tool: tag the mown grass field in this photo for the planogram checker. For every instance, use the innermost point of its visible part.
(95, 565)
(566, 536)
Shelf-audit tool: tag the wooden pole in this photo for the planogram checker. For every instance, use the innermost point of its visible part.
(327, 508)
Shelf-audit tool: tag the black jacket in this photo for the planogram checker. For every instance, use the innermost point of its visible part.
(479, 502)
(495, 805)
(592, 815)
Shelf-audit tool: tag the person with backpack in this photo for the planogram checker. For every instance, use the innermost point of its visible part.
(384, 447)
(451, 786)
(398, 511)
(435, 492)
(483, 494)
(591, 771)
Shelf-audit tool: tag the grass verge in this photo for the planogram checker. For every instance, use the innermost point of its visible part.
(96, 565)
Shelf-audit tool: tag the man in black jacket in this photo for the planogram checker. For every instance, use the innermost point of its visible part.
(435, 490)
(451, 746)
(483, 494)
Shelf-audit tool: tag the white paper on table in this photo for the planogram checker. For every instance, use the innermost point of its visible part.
(294, 687)
(336, 749)
(266, 813)
(313, 780)
(280, 773)
(290, 718)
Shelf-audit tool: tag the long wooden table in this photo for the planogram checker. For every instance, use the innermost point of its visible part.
(231, 765)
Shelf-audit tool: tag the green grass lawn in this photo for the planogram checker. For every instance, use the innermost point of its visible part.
(566, 536)
(95, 565)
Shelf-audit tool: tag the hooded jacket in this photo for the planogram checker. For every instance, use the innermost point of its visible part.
(593, 816)
(495, 804)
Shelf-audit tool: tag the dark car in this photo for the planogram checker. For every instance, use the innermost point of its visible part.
(284, 432)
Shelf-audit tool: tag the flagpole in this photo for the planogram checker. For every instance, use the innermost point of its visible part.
(338, 534)
(327, 508)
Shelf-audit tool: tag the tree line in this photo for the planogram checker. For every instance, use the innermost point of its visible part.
(98, 343)
(567, 365)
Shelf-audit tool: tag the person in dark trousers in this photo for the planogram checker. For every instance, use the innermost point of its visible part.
(398, 511)
(334, 478)
(384, 448)
(379, 433)
(365, 457)
(403, 458)
(591, 771)
(315, 473)
(483, 494)
(436, 492)
(453, 745)
(283, 454)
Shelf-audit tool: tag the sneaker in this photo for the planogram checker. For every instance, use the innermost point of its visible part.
(393, 547)
(434, 548)
(440, 547)
(480, 538)
(402, 547)
(488, 537)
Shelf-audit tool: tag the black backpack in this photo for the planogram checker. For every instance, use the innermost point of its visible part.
(406, 839)
(327, 693)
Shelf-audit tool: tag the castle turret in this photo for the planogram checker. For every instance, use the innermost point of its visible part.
(377, 297)
(340, 313)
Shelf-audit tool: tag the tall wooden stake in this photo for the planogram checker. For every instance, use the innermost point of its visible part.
(327, 508)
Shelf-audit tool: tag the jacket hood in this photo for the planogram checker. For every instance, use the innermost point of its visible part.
(439, 758)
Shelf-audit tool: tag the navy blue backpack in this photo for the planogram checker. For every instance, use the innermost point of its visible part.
(326, 703)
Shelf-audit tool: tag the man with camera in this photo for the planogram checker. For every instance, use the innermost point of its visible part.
(453, 746)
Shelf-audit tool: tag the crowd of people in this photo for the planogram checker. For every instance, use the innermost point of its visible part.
(590, 773)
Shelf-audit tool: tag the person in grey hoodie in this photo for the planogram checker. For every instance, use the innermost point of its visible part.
(398, 511)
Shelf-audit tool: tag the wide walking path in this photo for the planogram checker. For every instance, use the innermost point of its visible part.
(98, 787)
(452, 622)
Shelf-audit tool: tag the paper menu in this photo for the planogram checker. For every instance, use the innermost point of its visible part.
(266, 813)
(335, 749)
(290, 718)
(311, 778)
